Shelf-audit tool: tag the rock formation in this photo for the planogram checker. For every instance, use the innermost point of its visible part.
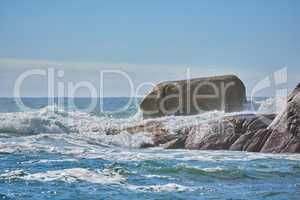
(266, 133)
(189, 97)
(255, 133)
(284, 131)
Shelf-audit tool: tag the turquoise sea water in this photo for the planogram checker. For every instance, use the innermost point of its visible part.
(62, 153)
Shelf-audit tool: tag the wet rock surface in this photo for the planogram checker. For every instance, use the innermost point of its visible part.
(285, 135)
(268, 133)
(233, 133)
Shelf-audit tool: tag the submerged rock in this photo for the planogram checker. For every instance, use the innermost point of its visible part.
(188, 97)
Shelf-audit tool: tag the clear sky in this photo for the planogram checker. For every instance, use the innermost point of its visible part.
(150, 40)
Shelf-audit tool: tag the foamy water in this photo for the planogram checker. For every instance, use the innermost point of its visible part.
(52, 153)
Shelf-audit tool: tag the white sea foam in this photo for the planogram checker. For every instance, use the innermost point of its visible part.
(273, 105)
(55, 130)
(12, 174)
(85, 127)
(105, 177)
(123, 139)
(50, 161)
(68, 175)
(30, 123)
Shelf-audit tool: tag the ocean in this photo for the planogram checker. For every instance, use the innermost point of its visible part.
(60, 151)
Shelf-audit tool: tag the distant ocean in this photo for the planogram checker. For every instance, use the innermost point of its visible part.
(60, 151)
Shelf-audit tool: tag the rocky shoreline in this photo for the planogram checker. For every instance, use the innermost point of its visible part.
(267, 133)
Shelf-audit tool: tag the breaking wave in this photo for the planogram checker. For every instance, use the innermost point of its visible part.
(96, 130)
(67, 175)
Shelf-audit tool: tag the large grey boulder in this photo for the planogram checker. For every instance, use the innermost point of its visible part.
(188, 97)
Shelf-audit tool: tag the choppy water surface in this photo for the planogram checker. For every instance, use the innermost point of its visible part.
(59, 154)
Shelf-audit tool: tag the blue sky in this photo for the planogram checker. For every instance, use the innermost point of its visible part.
(150, 40)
